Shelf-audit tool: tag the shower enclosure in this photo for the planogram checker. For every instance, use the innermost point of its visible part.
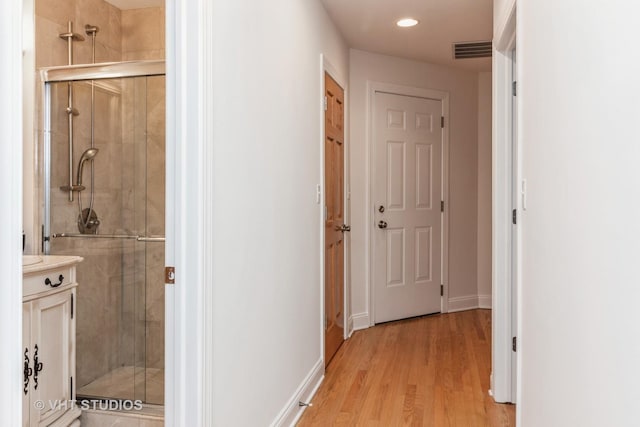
(114, 218)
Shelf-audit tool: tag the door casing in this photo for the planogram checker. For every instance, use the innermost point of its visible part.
(505, 257)
(442, 96)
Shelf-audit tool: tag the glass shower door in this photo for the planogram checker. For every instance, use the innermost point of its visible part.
(120, 307)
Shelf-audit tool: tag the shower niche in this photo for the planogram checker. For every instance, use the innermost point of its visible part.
(103, 163)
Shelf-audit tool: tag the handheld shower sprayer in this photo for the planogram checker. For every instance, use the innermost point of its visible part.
(89, 154)
(88, 221)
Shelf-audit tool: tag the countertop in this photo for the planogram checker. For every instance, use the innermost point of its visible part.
(36, 263)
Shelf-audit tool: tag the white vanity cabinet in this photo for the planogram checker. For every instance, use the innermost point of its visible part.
(48, 337)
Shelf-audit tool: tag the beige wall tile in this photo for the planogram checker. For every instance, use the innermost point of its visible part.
(114, 41)
(51, 50)
(142, 29)
(58, 11)
(143, 55)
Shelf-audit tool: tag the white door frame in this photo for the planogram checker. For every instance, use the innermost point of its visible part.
(327, 67)
(11, 104)
(504, 310)
(188, 332)
(189, 237)
(372, 88)
(516, 194)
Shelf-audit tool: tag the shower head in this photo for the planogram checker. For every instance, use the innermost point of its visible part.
(89, 154)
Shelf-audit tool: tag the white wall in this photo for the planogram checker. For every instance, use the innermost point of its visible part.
(579, 115)
(463, 89)
(266, 249)
(484, 189)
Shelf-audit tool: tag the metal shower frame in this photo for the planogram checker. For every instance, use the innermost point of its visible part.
(75, 73)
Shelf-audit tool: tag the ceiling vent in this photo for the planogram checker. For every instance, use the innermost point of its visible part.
(472, 50)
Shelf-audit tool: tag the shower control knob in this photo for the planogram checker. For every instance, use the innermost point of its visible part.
(88, 221)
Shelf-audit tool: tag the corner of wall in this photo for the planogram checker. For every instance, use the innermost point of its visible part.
(485, 301)
(484, 202)
(358, 322)
(291, 413)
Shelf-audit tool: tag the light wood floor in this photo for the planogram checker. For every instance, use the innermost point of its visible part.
(427, 371)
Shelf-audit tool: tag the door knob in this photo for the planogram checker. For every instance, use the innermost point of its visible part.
(382, 224)
(343, 228)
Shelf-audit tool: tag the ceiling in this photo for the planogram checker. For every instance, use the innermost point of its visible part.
(371, 25)
(135, 4)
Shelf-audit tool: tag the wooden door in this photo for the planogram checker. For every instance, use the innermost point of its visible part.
(334, 218)
(407, 196)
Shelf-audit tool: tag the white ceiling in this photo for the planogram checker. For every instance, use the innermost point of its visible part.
(371, 25)
(135, 4)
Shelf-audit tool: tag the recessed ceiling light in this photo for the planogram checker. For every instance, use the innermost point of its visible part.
(407, 22)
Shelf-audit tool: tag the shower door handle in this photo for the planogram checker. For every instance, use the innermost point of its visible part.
(149, 239)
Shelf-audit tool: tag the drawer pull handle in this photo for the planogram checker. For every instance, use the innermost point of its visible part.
(47, 282)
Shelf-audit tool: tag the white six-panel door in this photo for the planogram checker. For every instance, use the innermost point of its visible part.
(407, 191)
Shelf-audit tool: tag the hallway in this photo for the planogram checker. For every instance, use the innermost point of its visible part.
(427, 371)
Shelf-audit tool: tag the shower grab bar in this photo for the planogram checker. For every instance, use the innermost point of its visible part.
(150, 239)
(110, 236)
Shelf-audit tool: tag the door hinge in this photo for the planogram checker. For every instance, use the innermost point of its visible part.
(324, 103)
(441, 290)
(442, 122)
(72, 306)
(514, 344)
(441, 205)
(71, 388)
(514, 216)
(514, 88)
(170, 275)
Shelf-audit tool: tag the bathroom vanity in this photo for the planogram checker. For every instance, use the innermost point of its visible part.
(49, 343)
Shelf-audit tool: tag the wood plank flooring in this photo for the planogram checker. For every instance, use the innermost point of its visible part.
(427, 371)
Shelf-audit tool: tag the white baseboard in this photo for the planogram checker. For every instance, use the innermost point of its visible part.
(468, 302)
(484, 301)
(292, 411)
(360, 321)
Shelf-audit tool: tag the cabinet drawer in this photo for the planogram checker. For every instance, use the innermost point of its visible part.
(47, 280)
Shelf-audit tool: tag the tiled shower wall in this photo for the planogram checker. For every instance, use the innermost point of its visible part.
(120, 320)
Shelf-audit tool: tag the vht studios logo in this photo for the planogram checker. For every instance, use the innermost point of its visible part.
(104, 405)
